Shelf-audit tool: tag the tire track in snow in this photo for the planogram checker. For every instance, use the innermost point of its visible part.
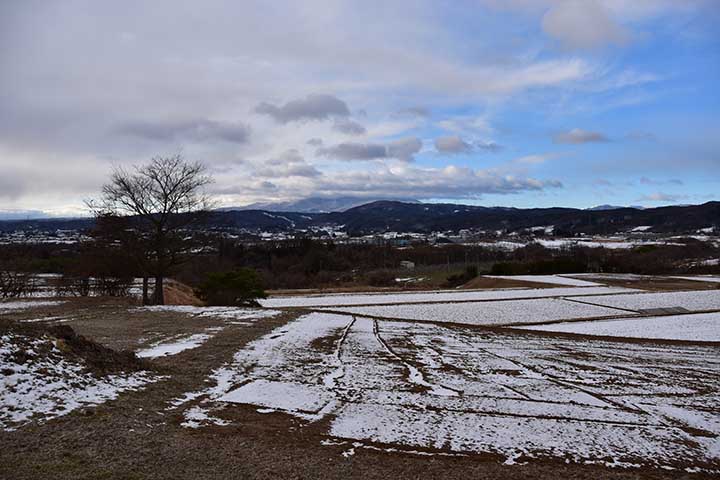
(415, 376)
(330, 380)
(558, 381)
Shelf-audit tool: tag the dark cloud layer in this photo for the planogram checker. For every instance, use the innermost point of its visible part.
(452, 144)
(349, 127)
(192, 130)
(403, 149)
(313, 107)
(289, 164)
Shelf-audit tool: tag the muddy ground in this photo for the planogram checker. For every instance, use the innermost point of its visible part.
(136, 436)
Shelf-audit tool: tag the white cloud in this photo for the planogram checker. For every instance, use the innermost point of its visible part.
(398, 181)
(535, 159)
(583, 24)
(578, 136)
(661, 197)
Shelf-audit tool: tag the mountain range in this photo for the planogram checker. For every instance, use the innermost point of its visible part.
(311, 205)
(384, 216)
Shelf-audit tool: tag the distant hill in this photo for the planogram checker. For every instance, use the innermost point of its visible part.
(600, 208)
(383, 216)
(310, 205)
(21, 214)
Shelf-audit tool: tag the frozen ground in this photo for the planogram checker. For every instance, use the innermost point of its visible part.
(438, 296)
(553, 279)
(701, 278)
(25, 304)
(506, 312)
(696, 301)
(37, 383)
(444, 389)
(610, 276)
(228, 313)
(176, 345)
(180, 343)
(702, 327)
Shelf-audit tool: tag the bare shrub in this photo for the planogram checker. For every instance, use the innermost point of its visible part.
(16, 284)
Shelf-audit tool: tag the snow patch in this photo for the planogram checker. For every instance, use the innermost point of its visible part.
(434, 296)
(47, 386)
(701, 327)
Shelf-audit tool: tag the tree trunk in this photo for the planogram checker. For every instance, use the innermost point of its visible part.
(145, 288)
(159, 296)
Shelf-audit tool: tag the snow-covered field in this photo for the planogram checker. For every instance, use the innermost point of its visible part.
(614, 243)
(552, 279)
(702, 327)
(436, 296)
(38, 383)
(695, 301)
(420, 386)
(701, 278)
(610, 276)
(506, 312)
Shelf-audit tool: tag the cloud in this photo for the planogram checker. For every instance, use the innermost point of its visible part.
(354, 151)
(650, 181)
(312, 107)
(413, 112)
(400, 181)
(138, 89)
(349, 127)
(190, 130)
(452, 144)
(535, 159)
(578, 136)
(402, 149)
(640, 136)
(21, 214)
(488, 146)
(448, 182)
(661, 197)
(315, 142)
(13, 184)
(289, 164)
(583, 24)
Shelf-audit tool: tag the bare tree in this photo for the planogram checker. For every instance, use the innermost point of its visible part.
(161, 201)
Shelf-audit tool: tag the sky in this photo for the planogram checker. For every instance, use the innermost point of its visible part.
(523, 103)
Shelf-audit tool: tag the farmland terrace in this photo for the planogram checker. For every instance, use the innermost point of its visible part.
(591, 376)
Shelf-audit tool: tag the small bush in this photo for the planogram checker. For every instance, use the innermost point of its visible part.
(73, 286)
(240, 287)
(381, 278)
(542, 267)
(458, 279)
(15, 284)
